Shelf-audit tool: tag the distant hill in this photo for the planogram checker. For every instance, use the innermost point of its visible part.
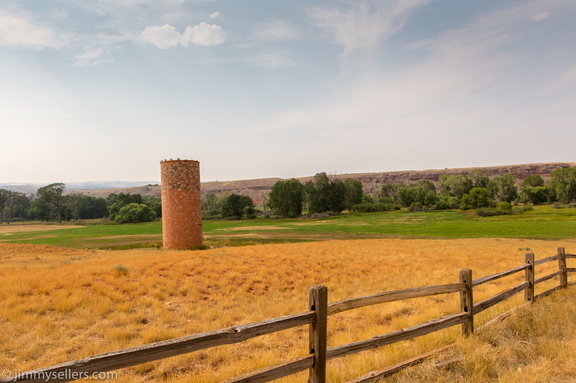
(257, 188)
(79, 187)
(371, 181)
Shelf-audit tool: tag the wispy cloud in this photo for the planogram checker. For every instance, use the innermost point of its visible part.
(270, 59)
(452, 91)
(20, 30)
(362, 25)
(540, 16)
(277, 30)
(166, 36)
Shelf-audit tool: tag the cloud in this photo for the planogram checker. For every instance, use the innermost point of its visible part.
(204, 34)
(540, 16)
(166, 36)
(20, 31)
(270, 59)
(364, 24)
(456, 93)
(163, 37)
(215, 15)
(277, 31)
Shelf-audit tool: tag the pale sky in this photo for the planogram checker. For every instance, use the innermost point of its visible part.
(105, 89)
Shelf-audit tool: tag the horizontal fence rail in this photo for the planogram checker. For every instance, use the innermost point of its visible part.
(391, 296)
(317, 320)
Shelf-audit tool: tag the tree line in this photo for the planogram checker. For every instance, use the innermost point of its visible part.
(292, 198)
(50, 204)
(488, 196)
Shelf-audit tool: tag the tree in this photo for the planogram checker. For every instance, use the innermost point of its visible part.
(479, 178)
(419, 195)
(563, 182)
(155, 203)
(505, 189)
(535, 195)
(211, 204)
(324, 195)
(81, 206)
(455, 185)
(287, 198)
(237, 206)
(533, 180)
(476, 198)
(354, 193)
(118, 201)
(532, 190)
(389, 193)
(20, 204)
(135, 212)
(50, 197)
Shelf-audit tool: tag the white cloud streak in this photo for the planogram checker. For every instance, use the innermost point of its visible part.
(166, 36)
(366, 24)
(271, 59)
(277, 30)
(448, 99)
(21, 31)
(540, 16)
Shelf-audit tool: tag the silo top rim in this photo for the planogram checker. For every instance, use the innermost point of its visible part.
(177, 160)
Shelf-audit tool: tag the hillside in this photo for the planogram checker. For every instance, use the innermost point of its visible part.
(257, 188)
(371, 181)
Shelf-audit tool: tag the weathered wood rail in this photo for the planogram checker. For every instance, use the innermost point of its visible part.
(317, 320)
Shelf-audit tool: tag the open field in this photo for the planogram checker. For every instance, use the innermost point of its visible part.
(543, 222)
(60, 304)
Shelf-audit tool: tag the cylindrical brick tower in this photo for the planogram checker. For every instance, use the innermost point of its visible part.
(181, 204)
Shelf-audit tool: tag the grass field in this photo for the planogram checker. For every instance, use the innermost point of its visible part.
(59, 304)
(543, 222)
(64, 303)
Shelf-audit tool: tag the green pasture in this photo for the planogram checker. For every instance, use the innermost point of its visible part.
(543, 222)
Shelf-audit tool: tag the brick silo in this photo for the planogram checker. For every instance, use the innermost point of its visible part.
(181, 204)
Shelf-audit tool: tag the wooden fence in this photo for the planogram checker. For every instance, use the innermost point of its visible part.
(317, 320)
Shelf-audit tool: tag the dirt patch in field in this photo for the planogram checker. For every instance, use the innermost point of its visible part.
(244, 228)
(135, 236)
(14, 228)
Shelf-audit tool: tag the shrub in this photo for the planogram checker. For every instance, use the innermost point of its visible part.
(489, 211)
(121, 270)
(373, 207)
(135, 212)
(446, 201)
(505, 207)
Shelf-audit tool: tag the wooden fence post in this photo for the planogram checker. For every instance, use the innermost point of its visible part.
(467, 301)
(529, 277)
(319, 333)
(562, 267)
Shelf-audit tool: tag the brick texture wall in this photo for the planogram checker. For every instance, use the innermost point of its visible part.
(181, 204)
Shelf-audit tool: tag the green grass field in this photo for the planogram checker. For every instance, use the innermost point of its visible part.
(543, 222)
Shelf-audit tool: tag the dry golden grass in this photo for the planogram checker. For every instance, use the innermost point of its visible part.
(59, 304)
(534, 345)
